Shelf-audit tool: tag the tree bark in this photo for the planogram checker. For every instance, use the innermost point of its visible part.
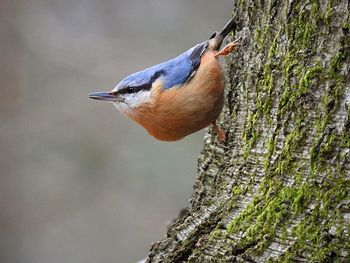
(278, 189)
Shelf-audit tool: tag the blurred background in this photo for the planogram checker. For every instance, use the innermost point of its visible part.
(78, 181)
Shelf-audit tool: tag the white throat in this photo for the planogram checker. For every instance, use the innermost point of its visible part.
(133, 101)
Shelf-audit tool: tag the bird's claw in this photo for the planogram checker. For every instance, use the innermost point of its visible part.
(229, 48)
(220, 133)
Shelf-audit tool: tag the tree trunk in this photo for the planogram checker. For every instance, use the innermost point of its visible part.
(278, 188)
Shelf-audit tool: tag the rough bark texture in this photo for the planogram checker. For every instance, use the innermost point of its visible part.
(278, 189)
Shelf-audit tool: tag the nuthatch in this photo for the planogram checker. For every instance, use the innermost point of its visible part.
(180, 96)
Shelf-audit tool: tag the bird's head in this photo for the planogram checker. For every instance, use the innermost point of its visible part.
(131, 92)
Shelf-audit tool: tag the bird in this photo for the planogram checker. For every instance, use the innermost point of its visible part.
(179, 96)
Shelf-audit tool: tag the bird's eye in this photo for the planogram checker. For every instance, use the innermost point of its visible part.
(129, 90)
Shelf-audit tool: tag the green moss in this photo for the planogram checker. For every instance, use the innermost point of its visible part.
(260, 36)
(270, 145)
(301, 198)
(264, 90)
(284, 233)
(330, 102)
(291, 93)
(239, 190)
(286, 162)
(307, 76)
(327, 13)
(335, 65)
(250, 133)
(261, 218)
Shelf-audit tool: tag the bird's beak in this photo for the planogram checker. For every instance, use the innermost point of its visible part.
(106, 96)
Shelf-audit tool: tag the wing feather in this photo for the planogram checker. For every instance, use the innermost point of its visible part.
(174, 72)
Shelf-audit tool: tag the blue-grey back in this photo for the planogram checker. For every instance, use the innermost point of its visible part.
(173, 72)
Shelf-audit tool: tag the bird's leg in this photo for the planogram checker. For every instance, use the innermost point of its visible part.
(220, 133)
(228, 48)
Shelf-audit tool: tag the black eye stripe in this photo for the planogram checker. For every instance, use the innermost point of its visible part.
(157, 75)
(132, 89)
(145, 86)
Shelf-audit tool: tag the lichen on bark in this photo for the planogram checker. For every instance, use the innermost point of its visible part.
(278, 189)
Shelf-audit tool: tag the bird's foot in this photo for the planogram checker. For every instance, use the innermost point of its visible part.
(220, 133)
(228, 49)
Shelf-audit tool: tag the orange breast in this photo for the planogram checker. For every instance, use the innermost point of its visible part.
(177, 112)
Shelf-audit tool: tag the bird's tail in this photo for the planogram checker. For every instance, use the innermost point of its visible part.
(217, 38)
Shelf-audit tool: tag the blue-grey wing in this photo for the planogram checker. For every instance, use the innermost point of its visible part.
(173, 73)
(182, 68)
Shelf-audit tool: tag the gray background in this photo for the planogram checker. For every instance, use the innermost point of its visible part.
(79, 182)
